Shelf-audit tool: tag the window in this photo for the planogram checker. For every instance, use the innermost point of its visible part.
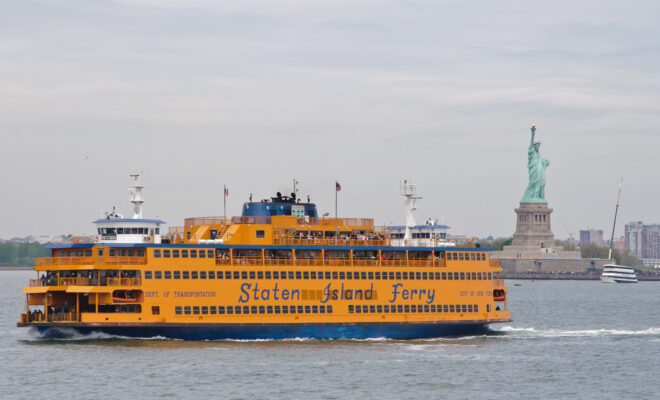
(490, 275)
(445, 308)
(377, 275)
(469, 308)
(205, 310)
(475, 308)
(140, 252)
(313, 274)
(322, 309)
(186, 275)
(290, 274)
(342, 275)
(329, 308)
(371, 275)
(269, 309)
(276, 274)
(363, 275)
(432, 307)
(212, 310)
(285, 309)
(147, 274)
(221, 310)
(391, 276)
(209, 252)
(278, 310)
(463, 308)
(239, 310)
(166, 253)
(260, 274)
(168, 274)
(227, 274)
(327, 275)
(462, 276)
(212, 274)
(202, 254)
(268, 274)
(351, 309)
(244, 275)
(175, 253)
(335, 275)
(379, 309)
(474, 276)
(196, 310)
(184, 253)
(236, 275)
(407, 308)
(426, 275)
(178, 310)
(260, 233)
(455, 276)
(230, 310)
(405, 274)
(427, 308)
(202, 274)
(305, 275)
(300, 309)
(262, 309)
(193, 253)
(186, 310)
(158, 274)
(358, 309)
(253, 275)
(193, 275)
(177, 274)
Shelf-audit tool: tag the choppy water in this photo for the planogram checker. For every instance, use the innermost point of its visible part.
(581, 339)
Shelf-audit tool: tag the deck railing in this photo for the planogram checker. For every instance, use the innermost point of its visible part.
(45, 261)
(124, 260)
(64, 317)
(123, 282)
(289, 241)
(319, 261)
(80, 281)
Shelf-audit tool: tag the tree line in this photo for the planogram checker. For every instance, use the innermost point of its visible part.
(591, 251)
(23, 254)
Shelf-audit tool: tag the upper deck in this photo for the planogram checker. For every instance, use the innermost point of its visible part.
(293, 230)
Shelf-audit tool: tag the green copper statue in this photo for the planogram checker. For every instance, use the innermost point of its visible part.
(535, 192)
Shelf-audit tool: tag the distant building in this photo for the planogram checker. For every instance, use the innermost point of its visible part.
(620, 243)
(591, 236)
(643, 241)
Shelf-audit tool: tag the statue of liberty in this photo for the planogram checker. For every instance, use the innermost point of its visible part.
(535, 192)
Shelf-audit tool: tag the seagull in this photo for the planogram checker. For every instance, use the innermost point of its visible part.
(85, 157)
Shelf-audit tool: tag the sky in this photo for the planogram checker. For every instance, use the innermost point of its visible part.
(199, 94)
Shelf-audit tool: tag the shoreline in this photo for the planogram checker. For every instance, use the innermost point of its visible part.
(566, 276)
(16, 268)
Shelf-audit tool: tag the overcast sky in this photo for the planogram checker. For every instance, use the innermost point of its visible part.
(253, 94)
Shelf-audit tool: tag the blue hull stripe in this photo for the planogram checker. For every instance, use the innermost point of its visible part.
(219, 332)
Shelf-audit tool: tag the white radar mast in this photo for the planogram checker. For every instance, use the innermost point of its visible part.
(136, 196)
(409, 190)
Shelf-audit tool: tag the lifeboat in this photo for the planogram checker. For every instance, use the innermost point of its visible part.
(499, 295)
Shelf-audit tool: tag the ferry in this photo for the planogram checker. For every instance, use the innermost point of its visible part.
(613, 273)
(277, 271)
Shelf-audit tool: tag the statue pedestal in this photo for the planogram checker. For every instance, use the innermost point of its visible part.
(533, 226)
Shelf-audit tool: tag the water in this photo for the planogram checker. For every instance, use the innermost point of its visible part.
(580, 339)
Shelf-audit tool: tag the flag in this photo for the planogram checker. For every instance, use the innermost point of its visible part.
(226, 191)
(337, 186)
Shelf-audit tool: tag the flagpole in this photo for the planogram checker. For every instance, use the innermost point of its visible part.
(224, 205)
(336, 220)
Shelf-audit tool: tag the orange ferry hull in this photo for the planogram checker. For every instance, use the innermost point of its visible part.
(271, 331)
